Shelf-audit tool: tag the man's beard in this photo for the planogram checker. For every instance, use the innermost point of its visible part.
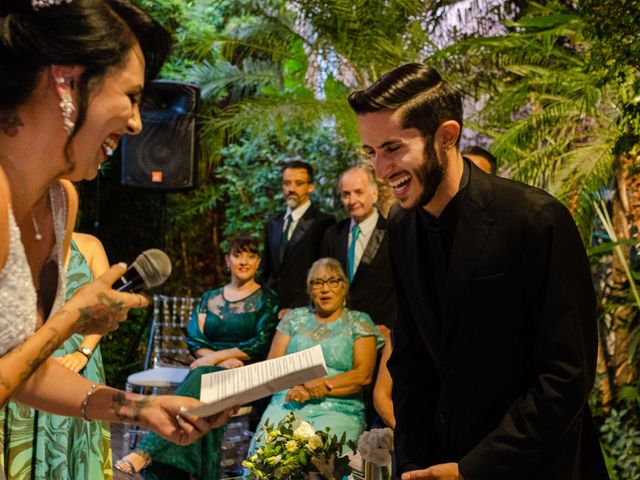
(292, 202)
(430, 173)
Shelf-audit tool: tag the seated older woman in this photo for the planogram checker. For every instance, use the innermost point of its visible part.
(231, 326)
(349, 341)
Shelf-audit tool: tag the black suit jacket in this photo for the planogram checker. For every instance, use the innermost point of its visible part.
(500, 385)
(371, 290)
(288, 276)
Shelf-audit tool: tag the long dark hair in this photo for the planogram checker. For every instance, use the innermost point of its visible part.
(95, 34)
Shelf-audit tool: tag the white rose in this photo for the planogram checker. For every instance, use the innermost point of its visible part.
(305, 430)
(314, 442)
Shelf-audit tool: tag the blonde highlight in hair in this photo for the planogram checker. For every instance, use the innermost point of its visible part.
(331, 265)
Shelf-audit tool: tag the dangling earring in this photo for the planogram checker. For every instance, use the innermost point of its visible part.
(67, 108)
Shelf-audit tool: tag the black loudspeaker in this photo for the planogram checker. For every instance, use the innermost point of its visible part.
(164, 156)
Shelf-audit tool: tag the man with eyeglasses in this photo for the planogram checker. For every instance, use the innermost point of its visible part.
(293, 238)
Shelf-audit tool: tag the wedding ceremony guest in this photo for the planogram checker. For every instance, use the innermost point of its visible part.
(349, 341)
(77, 72)
(382, 399)
(483, 159)
(495, 342)
(232, 325)
(361, 245)
(293, 239)
(42, 445)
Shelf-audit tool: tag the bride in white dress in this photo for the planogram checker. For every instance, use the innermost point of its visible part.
(73, 74)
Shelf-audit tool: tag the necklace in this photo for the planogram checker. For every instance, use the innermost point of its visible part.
(36, 228)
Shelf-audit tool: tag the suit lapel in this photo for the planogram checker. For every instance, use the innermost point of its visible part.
(276, 235)
(343, 244)
(372, 248)
(474, 226)
(301, 228)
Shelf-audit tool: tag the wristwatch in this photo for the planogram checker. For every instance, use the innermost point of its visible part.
(86, 351)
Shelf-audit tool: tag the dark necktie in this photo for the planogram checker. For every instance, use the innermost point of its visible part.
(284, 238)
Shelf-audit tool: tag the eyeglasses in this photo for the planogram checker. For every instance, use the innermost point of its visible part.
(317, 284)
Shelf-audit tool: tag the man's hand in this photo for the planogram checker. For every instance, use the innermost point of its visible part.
(443, 471)
(165, 416)
(73, 361)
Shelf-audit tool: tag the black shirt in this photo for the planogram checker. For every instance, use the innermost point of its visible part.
(436, 235)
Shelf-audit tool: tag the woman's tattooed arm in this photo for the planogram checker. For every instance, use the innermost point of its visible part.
(128, 410)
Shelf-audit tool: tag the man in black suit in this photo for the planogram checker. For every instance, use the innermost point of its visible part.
(361, 245)
(293, 239)
(495, 340)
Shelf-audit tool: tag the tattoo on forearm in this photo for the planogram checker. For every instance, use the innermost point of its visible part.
(108, 312)
(48, 348)
(128, 410)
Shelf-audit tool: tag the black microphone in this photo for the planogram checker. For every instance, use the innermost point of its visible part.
(150, 269)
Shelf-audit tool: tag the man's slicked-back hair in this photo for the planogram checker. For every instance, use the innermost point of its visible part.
(425, 101)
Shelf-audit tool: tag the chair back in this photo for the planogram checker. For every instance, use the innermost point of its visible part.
(167, 341)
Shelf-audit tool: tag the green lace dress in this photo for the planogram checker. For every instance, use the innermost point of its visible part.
(40, 445)
(247, 324)
(337, 338)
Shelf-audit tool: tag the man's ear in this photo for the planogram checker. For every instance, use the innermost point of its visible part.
(311, 187)
(447, 135)
(65, 78)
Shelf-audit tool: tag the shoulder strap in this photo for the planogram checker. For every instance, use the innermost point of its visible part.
(5, 200)
(72, 211)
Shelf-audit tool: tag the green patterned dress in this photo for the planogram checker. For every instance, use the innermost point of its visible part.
(40, 445)
(247, 324)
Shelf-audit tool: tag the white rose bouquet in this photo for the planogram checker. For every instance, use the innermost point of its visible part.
(293, 450)
(375, 448)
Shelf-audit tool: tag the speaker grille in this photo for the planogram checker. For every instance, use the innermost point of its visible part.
(165, 154)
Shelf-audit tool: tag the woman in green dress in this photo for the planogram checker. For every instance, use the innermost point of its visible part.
(40, 445)
(231, 326)
(349, 341)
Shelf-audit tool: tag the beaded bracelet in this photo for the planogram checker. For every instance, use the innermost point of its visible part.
(85, 402)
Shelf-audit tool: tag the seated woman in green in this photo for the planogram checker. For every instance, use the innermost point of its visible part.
(232, 325)
(349, 341)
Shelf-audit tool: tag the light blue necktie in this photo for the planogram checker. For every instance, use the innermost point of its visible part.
(355, 232)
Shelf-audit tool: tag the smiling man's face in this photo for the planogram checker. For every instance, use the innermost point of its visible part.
(402, 157)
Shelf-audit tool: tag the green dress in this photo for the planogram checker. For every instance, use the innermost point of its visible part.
(247, 324)
(337, 339)
(39, 445)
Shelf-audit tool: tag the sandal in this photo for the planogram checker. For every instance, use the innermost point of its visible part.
(124, 465)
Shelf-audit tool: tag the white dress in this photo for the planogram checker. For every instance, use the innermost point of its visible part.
(18, 299)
